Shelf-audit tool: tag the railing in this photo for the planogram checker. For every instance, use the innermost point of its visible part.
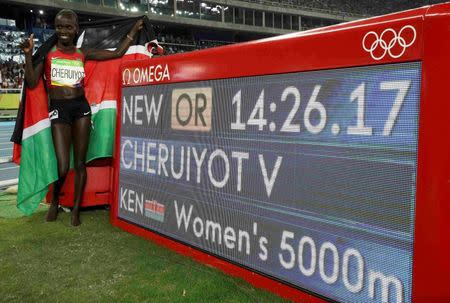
(120, 5)
(177, 44)
(9, 103)
(10, 90)
(306, 8)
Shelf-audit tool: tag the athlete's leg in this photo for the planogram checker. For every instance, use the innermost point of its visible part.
(81, 130)
(61, 142)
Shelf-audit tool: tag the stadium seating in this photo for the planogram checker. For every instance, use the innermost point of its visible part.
(11, 59)
(349, 7)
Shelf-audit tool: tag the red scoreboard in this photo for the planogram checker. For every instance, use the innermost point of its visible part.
(314, 164)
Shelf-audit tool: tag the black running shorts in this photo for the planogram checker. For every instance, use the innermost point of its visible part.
(68, 110)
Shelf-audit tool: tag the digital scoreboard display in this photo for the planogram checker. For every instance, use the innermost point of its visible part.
(307, 177)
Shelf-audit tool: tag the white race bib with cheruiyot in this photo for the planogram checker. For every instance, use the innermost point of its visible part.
(66, 72)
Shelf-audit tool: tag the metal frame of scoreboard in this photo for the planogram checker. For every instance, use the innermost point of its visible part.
(374, 41)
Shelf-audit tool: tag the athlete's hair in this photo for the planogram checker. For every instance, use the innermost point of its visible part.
(67, 12)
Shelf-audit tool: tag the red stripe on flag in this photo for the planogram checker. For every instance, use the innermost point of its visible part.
(103, 78)
(17, 149)
(36, 106)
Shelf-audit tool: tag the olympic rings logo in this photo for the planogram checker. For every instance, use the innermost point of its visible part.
(387, 43)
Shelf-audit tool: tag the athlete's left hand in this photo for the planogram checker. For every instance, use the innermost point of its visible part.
(137, 26)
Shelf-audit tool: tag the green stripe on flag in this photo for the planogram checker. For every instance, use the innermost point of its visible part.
(38, 169)
(67, 62)
(38, 165)
(103, 134)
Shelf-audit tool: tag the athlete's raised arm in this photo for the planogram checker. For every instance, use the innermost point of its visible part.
(95, 54)
(32, 74)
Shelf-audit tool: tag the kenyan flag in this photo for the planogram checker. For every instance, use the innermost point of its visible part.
(38, 166)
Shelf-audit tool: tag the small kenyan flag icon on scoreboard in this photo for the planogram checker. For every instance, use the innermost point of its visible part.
(154, 210)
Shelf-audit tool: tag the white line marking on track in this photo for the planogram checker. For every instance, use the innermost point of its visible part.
(5, 160)
(9, 182)
(6, 168)
(6, 148)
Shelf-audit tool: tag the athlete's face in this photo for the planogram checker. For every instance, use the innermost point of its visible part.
(66, 29)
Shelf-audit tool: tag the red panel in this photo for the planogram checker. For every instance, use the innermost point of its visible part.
(97, 191)
(328, 48)
(432, 230)
(335, 47)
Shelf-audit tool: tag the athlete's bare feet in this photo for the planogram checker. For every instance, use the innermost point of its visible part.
(76, 216)
(52, 212)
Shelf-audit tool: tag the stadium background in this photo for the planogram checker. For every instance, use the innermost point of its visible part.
(180, 26)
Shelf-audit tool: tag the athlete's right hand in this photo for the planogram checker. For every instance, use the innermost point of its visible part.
(27, 45)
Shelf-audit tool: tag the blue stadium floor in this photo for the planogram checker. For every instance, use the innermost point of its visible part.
(9, 172)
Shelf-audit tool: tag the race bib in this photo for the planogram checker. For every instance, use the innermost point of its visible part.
(66, 72)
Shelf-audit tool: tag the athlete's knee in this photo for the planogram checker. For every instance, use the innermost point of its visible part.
(80, 167)
(63, 169)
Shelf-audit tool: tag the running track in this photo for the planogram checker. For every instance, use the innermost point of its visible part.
(9, 171)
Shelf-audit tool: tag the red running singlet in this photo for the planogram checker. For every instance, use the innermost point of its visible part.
(62, 69)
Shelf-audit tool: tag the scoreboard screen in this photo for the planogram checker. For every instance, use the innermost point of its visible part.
(306, 177)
